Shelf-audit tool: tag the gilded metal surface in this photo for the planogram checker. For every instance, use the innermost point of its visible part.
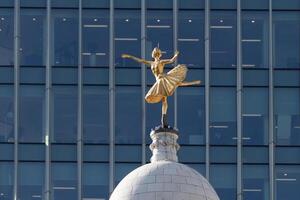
(166, 83)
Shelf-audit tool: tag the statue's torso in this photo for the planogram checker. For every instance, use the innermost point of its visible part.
(157, 68)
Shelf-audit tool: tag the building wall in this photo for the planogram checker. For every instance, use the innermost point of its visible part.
(73, 121)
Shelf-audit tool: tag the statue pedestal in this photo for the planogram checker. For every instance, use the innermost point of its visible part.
(164, 145)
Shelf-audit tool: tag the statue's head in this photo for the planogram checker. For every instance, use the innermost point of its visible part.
(156, 53)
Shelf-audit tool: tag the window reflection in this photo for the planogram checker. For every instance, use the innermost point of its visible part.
(255, 182)
(95, 38)
(191, 118)
(286, 39)
(65, 45)
(223, 39)
(191, 38)
(127, 36)
(6, 37)
(6, 113)
(223, 116)
(7, 180)
(159, 32)
(287, 181)
(255, 116)
(95, 180)
(32, 103)
(128, 115)
(64, 181)
(255, 39)
(31, 180)
(223, 179)
(64, 113)
(287, 117)
(33, 29)
(95, 114)
(122, 169)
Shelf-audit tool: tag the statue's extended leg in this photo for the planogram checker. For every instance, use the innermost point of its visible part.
(190, 83)
(164, 122)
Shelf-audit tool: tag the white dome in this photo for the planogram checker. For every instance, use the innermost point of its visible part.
(164, 180)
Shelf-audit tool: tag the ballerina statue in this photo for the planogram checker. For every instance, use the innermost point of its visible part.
(166, 83)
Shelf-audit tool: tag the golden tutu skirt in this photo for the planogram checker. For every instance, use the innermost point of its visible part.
(166, 84)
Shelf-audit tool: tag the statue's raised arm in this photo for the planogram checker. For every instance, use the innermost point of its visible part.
(169, 61)
(136, 59)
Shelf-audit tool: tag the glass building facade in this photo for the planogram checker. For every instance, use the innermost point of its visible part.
(73, 121)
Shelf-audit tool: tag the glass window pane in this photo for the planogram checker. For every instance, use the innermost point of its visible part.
(127, 37)
(31, 180)
(223, 124)
(6, 113)
(191, 38)
(255, 182)
(286, 51)
(122, 169)
(64, 114)
(255, 4)
(62, 152)
(223, 179)
(255, 77)
(255, 116)
(69, 3)
(33, 37)
(96, 76)
(63, 75)
(159, 4)
(95, 4)
(7, 3)
(223, 4)
(286, 4)
(32, 152)
(223, 52)
(65, 45)
(7, 151)
(95, 114)
(7, 180)
(287, 155)
(191, 120)
(95, 153)
(122, 74)
(191, 4)
(223, 77)
(64, 181)
(32, 103)
(6, 37)
(32, 75)
(228, 154)
(287, 181)
(191, 154)
(286, 77)
(7, 74)
(128, 115)
(159, 32)
(255, 39)
(95, 180)
(255, 154)
(133, 153)
(33, 3)
(287, 116)
(95, 38)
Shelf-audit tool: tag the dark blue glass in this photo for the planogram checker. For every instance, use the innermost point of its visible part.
(7, 75)
(122, 169)
(228, 154)
(9, 3)
(255, 154)
(65, 37)
(32, 102)
(95, 153)
(31, 180)
(157, 4)
(133, 153)
(191, 38)
(191, 4)
(97, 76)
(223, 4)
(255, 77)
(198, 167)
(95, 4)
(223, 51)
(128, 115)
(287, 181)
(33, 3)
(7, 151)
(191, 118)
(255, 4)
(286, 78)
(255, 116)
(63, 152)
(255, 39)
(223, 77)
(122, 75)
(6, 37)
(286, 51)
(32, 75)
(223, 116)
(95, 180)
(159, 32)
(287, 116)
(33, 37)
(287, 155)
(286, 4)
(127, 37)
(65, 4)
(127, 4)
(64, 114)
(64, 181)
(255, 182)
(64, 75)
(95, 114)
(6, 113)
(95, 37)
(223, 179)
(7, 177)
(32, 152)
(191, 154)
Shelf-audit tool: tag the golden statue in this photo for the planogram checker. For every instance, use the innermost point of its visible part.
(166, 83)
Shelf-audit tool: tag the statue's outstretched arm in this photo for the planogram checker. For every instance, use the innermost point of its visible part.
(168, 61)
(136, 59)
